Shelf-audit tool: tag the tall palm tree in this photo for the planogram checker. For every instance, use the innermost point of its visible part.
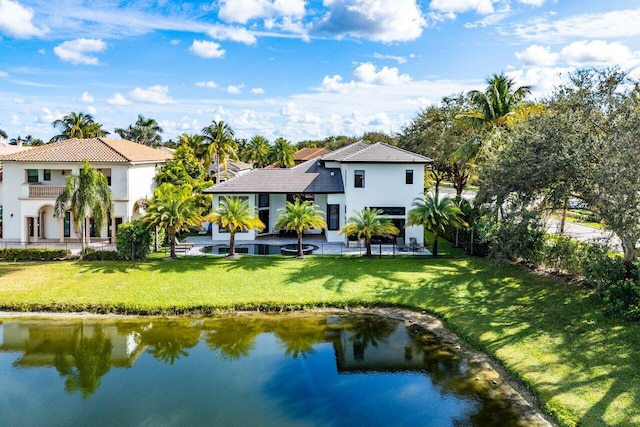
(77, 125)
(300, 216)
(282, 153)
(86, 194)
(145, 131)
(219, 136)
(257, 151)
(196, 142)
(235, 214)
(434, 214)
(368, 223)
(174, 209)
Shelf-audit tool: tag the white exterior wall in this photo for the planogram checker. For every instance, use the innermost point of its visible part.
(247, 235)
(337, 199)
(384, 186)
(128, 184)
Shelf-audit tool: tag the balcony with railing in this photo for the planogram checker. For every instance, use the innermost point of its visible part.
(45, 191)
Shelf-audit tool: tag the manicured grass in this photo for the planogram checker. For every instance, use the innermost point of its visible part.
(552, 336)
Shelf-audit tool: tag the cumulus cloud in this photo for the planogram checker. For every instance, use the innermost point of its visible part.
(15, 20)
(49, 116)
(76, 51)
(157, 94)
(91, 110)
(86, 97)
(210, 84)
(242, 11)
(207, 49)
(377, 20)
(365, 74)
(580, 53)
(234, 89)
(257, 90)
(398, 59)
(118, 99)
(235, 34)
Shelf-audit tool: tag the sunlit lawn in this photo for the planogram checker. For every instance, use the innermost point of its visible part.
(554, 337)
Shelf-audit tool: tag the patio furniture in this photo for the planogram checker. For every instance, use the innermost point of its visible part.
(401, 245)
(414, 245)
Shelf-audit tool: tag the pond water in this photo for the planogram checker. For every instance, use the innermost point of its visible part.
(262, 370)
(261, 249)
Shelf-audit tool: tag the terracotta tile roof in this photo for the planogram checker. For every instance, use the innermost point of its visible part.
(6, 149)
(361, 152)
(309, 153)
(95, 150)
(307, 177)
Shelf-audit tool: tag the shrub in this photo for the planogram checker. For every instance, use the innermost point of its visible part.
(135, 240)
(564, 254)
(93, 255)
(20, 254)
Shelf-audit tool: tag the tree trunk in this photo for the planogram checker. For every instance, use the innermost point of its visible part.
(630, 252)
(172, 243)
(300, 252)
(471, 242)
(435, 243)
(563, 219)
(367, 244)
(232, 244)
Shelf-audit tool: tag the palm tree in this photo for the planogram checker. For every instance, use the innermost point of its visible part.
(368, 223)
(300, 216)
(196, 142)
(85, 194)
(174, 209)
(235, 214)
(77, 125)
(282, 153)
(257, 151)
(144, 131)
(219, 136)
(3, 134)
(435, 213)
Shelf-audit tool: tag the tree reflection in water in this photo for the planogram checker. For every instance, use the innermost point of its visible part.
(298, 335)
(368, 330)
(91, 361)
(233, 336)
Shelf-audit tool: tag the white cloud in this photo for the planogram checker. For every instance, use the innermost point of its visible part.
(49, 116)
(75, 51)
(398, 59)
(365, 75)
(242, 11)
(257, 90)
(483, 7)
(596, 52)
(4, 74)
(617, 23)
(91, 110)
(86, 97)
(235, 34)
(207, 49)
(210, 84)
(533, 2)
(235, 89)
(377, 20)
(18, 100)
(15, 20)
(175, 42)
(42, 51)
(15, 120)
(541, 79)
(157, 94)
(118, 99)
(537, 56)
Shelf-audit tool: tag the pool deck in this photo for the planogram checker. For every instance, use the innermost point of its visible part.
(325, 248)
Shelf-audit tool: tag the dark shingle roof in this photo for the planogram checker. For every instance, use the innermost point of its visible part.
(95, 150)
(307, 177)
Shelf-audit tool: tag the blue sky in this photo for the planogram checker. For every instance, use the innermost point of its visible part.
(292, 68)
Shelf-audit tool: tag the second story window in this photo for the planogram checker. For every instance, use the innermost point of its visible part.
(358, 179)
(32, 175)
(408, 176)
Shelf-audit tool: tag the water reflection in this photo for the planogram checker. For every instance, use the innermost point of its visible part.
(299, 369)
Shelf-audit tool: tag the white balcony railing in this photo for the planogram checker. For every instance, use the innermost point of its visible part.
(45, 191)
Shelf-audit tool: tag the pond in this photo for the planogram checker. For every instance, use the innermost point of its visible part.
(261, 249)
(249, 370)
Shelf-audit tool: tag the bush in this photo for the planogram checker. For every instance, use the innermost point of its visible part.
(19, 254)
(135, 240)
(93, 255)
(564, 255)
(623, 298)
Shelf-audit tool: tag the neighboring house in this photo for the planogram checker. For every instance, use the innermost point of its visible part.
(33, 179)
(302, 155)
(340, 182)
(233, 169)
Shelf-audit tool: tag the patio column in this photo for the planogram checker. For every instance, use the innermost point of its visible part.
(113, 229)
(36, 228)
(61, 227)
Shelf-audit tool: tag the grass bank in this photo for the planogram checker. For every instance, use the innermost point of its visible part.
(553, 337)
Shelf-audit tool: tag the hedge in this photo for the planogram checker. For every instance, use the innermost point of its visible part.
(19, 254)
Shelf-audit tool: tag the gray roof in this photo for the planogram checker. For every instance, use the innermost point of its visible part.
(307, 177)
(361, 152)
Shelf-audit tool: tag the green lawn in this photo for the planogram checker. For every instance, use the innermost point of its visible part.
(553, 337)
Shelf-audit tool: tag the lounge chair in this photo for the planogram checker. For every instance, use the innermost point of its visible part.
(414, 245)
(401, 245)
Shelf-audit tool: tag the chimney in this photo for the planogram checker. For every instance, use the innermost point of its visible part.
(19, 143)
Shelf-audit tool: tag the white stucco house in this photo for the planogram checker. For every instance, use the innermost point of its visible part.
(340, 182)
(33, 179)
